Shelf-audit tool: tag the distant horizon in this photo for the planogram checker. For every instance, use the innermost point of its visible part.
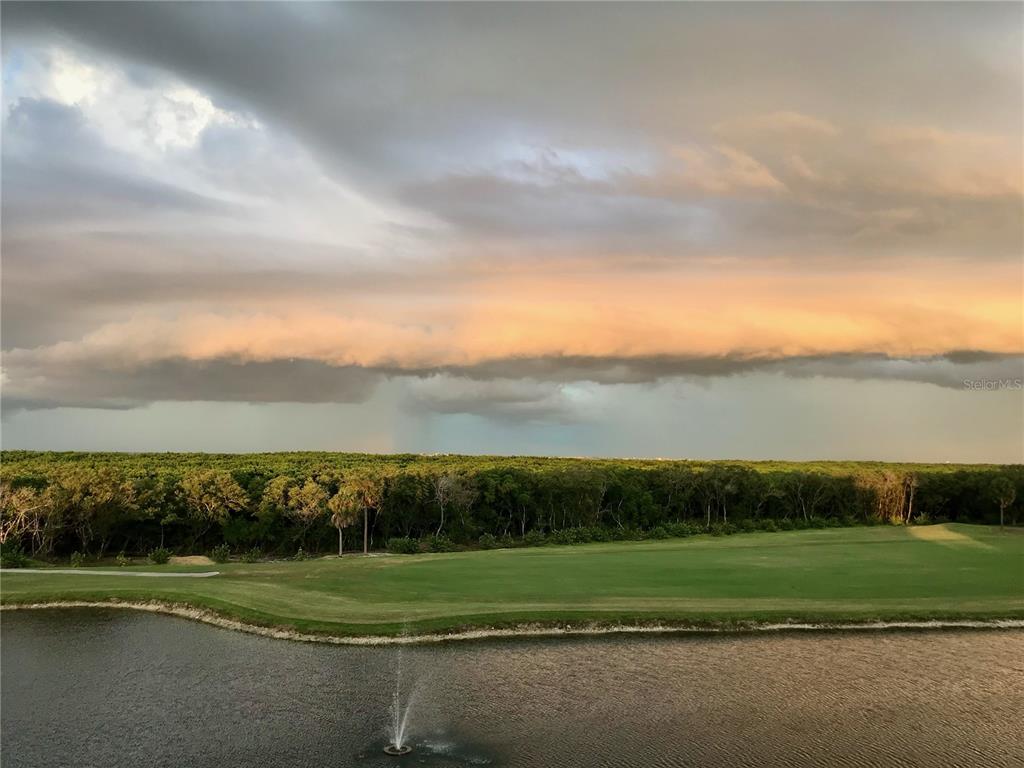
(595, 457)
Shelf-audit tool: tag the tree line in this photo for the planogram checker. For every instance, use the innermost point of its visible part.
(52, 504)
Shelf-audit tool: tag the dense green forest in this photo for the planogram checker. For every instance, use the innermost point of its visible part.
(96, 504)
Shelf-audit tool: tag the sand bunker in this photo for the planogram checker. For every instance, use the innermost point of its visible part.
(191, 560)
(942, 534)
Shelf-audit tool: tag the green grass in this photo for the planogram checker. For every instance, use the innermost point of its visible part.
(952, 571)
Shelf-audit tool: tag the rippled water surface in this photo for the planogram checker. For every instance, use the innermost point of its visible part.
(121, 689)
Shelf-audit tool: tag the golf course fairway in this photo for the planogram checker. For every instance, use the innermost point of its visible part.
(884, 573)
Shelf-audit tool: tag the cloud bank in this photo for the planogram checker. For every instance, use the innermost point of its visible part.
(493, 203)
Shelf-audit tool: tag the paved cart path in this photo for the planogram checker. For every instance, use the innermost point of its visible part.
(94, 572)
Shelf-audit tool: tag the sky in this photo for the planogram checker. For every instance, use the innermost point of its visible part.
(689, 230)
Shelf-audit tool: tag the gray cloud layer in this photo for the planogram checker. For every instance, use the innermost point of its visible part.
(510, 389)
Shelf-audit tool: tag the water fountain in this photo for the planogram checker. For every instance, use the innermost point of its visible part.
(399, 715)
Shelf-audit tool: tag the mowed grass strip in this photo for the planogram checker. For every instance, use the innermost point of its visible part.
(892, 573)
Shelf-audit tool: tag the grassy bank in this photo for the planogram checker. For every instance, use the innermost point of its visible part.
(835, 575)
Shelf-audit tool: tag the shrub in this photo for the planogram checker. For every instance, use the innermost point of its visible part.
(13, 556)
(922, 518)
(849, 521)
(403, 545)
(564, 536)
(440, 543)
(159, 556)
(722, 529)
(487, 541)
(77, 559)
(785, 524)
(122, 559)
(684, 529)
(625, 534)
(658, 532)
(220, 553)
(300, 555)
(679, 530)
(769, 525)
(748, 525)
(534, 539)
(817, 522)
(572, 536)
(253, 555)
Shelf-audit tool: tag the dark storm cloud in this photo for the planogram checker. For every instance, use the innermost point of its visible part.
(515, 389)
(941, 370)
(411, 83)
(533, 389)
(420, 101)
(279, 381)
(662, 46)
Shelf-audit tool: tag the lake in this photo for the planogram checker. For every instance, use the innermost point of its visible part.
(115, 688)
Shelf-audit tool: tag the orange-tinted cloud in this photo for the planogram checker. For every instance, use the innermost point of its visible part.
(917, 309)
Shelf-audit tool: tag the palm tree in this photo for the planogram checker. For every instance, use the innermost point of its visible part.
(344, 507)
(367, 488)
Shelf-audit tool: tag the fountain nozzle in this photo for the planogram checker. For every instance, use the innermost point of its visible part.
(396, 750)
